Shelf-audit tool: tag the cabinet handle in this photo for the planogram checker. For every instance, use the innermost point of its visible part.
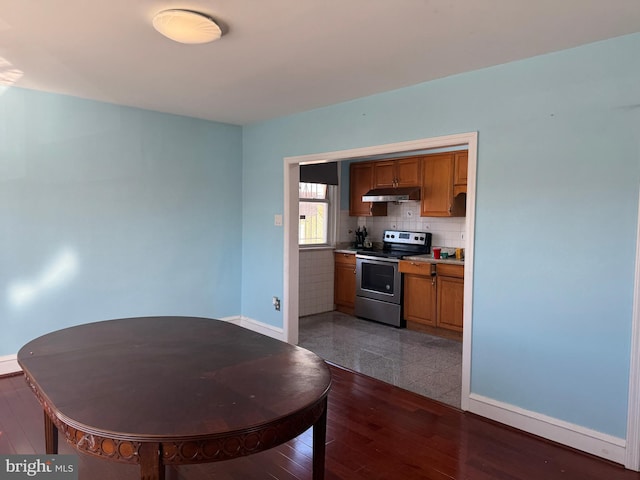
(449, 209)
(433, 281)
(354, 271)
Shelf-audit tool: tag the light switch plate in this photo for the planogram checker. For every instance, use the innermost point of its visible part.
(277, 220)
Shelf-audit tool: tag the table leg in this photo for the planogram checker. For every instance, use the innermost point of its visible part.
(151, 466)
(319, 442)
(50, 436)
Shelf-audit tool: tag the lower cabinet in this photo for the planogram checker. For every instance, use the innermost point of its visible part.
(344, 285)
(419, 292)
(433, 297)
(450, 296)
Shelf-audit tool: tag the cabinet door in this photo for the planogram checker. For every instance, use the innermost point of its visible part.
(437, 186)
(461, 163)
(360, 182)
(397, 173)
(408, 172)
(384, 174)
(420, 299)
(460, 173)
(450, 303)
(344, 293)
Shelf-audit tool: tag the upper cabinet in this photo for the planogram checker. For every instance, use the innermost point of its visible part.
(460, 162)
(440, 173)
(442, 178)
(360, 182)
(404, 172)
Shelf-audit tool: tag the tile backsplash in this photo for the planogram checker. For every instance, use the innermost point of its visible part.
(316, 281)
(446, 231)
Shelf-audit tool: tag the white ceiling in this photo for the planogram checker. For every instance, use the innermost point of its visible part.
(279, 57)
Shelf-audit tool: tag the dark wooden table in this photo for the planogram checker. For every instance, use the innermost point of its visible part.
(159, 391)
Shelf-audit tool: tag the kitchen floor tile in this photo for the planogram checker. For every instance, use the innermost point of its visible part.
(422, 363)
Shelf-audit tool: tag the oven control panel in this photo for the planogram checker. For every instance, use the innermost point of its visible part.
(405, 238)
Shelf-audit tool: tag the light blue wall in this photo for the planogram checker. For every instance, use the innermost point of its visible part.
(557, 198)
(107, 211)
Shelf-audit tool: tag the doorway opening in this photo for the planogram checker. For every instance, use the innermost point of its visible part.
(291, 256)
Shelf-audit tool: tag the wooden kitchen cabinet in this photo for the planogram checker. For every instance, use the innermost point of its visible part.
(450, 298)
(433, 297)
(460, 164)
(419, 290)
(404, 172)
(344, 285)
(384, 174)
(360, 182)
(437, 193)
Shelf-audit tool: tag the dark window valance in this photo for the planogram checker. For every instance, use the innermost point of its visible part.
(325, 173)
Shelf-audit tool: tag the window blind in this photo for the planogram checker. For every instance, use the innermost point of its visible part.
(325, 173)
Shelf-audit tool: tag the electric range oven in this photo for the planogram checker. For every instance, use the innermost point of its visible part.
(378, 281)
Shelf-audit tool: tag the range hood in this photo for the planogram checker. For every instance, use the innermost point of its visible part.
(401, 194)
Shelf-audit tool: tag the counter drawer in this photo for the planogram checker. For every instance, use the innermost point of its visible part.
(445, 270)
(345, 259)
(416, 267)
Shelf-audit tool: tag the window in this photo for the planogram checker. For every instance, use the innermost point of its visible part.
(316, 214)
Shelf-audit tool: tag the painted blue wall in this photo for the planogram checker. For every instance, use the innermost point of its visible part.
(107, 211)
(557, 198)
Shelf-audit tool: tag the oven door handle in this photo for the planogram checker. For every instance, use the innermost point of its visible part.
(373, 259)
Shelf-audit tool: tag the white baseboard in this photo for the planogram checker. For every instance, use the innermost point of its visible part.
(574, 436)
(256, 326)
(9, 364)
(236, 319)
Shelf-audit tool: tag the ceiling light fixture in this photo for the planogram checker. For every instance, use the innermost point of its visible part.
(186, 26)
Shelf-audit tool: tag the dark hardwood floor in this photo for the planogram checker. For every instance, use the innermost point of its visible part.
(375, 431)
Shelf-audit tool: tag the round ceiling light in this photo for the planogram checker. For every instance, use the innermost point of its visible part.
(186, 26)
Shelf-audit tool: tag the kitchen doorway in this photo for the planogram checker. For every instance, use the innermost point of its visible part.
(291, 255)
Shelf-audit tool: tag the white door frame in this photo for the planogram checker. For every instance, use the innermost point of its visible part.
(291, 260)
(632, 444)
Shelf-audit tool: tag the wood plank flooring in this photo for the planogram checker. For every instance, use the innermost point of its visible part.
(374, 431)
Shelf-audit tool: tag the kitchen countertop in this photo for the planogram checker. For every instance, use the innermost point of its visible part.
(414, 258)
(429, 259)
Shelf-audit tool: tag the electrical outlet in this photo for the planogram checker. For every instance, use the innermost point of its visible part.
(277, 220)
(276, 303)
(461, 235)
(427, 226)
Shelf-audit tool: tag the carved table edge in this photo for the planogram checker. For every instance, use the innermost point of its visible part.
(187, 450)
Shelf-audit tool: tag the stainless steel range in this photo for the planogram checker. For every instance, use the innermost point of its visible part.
(378, 282)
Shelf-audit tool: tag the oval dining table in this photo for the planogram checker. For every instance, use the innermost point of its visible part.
(159, 391)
